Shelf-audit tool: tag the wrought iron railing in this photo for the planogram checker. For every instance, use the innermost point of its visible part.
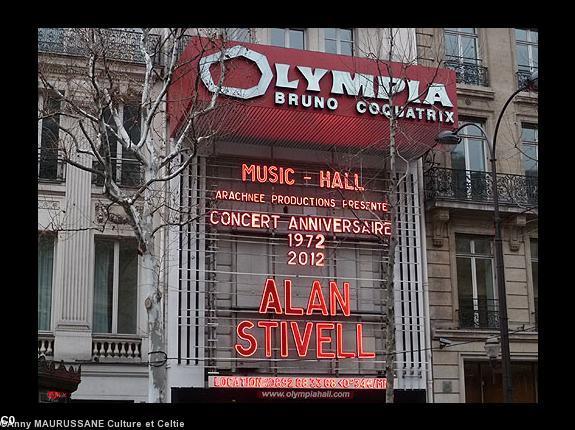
(123, 45)
(523, 76)
(476, 186)
(468, 73)
(51, 168)
(478, 313)
(125, 172)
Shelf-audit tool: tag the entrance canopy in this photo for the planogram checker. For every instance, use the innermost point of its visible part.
(271, 95)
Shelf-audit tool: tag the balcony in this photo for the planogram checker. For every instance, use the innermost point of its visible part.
(122, 45)
(478, 313)
(46, 345)
(474, 186)
(116, 348)
(523, 76)
(468, 73)
(51, 168)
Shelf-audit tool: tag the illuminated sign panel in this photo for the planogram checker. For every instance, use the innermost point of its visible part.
(296, 382)
(293, 232)
(272, 94)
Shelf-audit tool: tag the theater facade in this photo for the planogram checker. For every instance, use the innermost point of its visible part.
(278, 267)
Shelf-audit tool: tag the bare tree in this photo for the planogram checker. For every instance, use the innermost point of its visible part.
(384, 49)
(93, 94)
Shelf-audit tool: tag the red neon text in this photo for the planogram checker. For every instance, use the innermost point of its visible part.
(271, 300)
(327, 180)
(325, 333)
(271, 174)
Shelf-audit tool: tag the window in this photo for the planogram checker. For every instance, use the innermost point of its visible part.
(475, 280)
(462, 55)
(461, 45)
(240, 34)
(526, 44)
(45, 273)
(529, 140)
(49, 167)
(530, 157)
(469, 161)
(535, 273)
(288, 37)
(115, 286)
(526, 41)
(126, 169)
(339, 41)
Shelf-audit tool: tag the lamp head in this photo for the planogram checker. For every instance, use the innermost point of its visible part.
(492, 348)
(448, 140)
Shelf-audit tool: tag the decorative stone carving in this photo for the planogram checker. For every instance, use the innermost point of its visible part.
(104, 215)
(516, 231)
(439, 219)
(48, 204)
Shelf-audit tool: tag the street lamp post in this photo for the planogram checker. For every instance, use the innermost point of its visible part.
(449, 137)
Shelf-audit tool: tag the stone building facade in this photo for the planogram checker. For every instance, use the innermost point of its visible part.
(490, 64)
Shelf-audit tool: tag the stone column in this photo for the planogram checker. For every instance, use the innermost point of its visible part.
(74, 270)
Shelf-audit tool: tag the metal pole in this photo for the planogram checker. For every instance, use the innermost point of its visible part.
(500, 269)
(500, 280)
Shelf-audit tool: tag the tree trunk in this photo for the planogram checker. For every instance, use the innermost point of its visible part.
(157, 373)
(390, 302)
(151, 282)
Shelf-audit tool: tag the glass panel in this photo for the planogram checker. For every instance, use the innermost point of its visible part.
(239, 34)
(330, 46)
(465, 289)
(458, 156)
(45, 268)
(296, 39)
(127, 288)
(535, 56)
(523, 56)
(278, 37)
(464, 282)
(530, 160)
(132, 122)
(130, 165)
(520, 34)
(345, 34)
(484, 274)
(462, 245)
(475, 151)
(529, 133)
(469, 49)
(451, 47)
(103, 286)
(472, 131)
(110, 143)
(49, 142)
(467, 30)
(534, 35)
(346, 48)
(483, 246)
(534, 249)
(330, 33)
